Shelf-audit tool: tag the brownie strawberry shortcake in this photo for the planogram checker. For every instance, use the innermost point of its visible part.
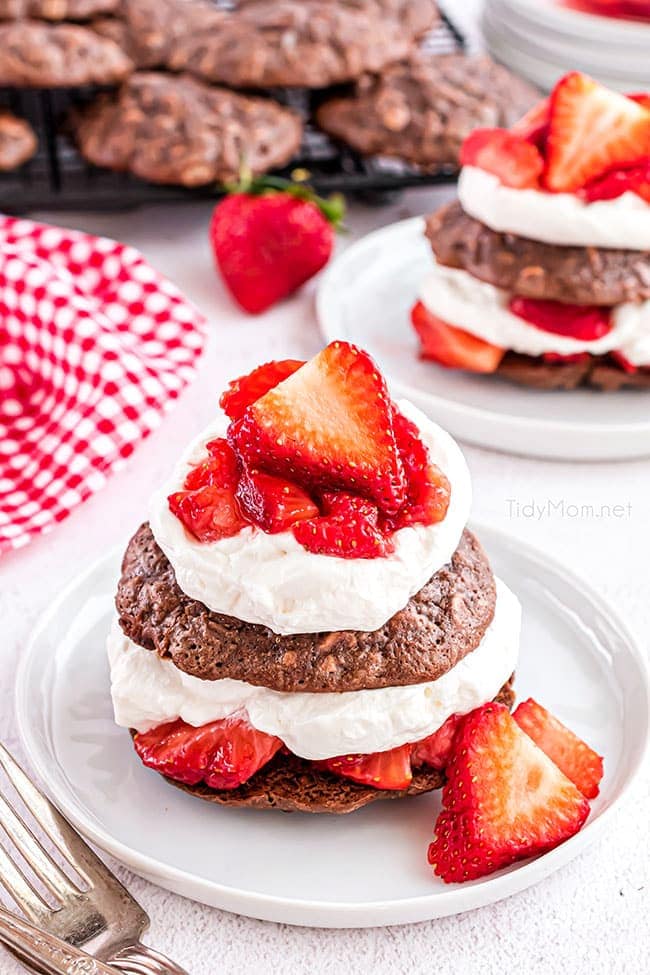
(542, 266)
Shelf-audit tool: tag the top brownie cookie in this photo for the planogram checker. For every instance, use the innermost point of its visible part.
(38, 55)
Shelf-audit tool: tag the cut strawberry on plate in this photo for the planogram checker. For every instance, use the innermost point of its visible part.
(577, 760)
(592, 130)
(436, 750)
(504, 800)
(429, 490)
(509, 156)
(272, 503)
(348, 529)
(452, 347)
(247, 389)
(583, 322)
(222, 754)
(382, 770)
(533, 126)
(634, 179)
(328, 425)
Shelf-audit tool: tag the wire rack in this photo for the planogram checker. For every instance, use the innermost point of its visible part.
(57, 178)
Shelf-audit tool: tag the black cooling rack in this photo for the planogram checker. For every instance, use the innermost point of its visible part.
(57, 178)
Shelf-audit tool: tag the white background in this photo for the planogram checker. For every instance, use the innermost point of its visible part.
(592, 916)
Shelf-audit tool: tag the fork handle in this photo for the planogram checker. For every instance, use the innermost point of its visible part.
(51, 955)
(138, 959)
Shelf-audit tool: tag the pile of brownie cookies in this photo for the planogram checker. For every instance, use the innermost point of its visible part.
(188, 82)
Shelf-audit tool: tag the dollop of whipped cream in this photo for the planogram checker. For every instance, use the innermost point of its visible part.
(272, 580)
(555, 218)
(459, 298)
(148, 691)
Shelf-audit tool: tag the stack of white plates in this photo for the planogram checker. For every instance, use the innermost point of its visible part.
(542, 39)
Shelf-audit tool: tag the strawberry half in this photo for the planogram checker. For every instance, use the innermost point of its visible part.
(577, 760)
(428, 491)
(222, 754)
(635, 179)
(592, 130)
(382, 770)
(453, 347)
(272, 503)
(247, 389)
(509, 156)
(436, 750)
(583, 322)
(348, 529)
(504, 800)
(329, 426)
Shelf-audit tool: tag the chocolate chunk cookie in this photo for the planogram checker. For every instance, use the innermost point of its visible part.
(574, 275)
(18, 141)
(438, 627)
(310, 43)
(38, 55)
(169, 129)
(56, 9)
(598, 372)
(421, 109)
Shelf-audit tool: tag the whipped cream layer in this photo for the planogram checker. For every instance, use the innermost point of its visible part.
(148, 691)
(272, 580)
(478, 307)
(555, 218)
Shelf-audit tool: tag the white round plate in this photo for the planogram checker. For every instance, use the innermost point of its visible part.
(366, 296)
(365, 869)
(553, 15)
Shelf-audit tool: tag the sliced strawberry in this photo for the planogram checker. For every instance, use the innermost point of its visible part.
(222, 754)
(635, 179)
(218, 470)
(428, 491)
(382, 770)
(583, 322)
(511, 157)
(436, 750)
(272, 503)
(452, 347)
(623, 362)
(577, 760)
(209, 513)
(592, 130)
(504, 800)
(534, 125)
(348, 529)
(247, 389)
(329, 426)
(555, 359)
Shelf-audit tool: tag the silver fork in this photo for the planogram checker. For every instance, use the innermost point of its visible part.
(99, 914)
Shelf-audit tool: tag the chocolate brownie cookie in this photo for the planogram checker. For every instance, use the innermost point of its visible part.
(310, 43)
(38, 55)
(55, 9)
(421, 109)
(169, 129)
(598, 372)
(293, 785)
(439, 626)
(18, 141)
(574, 275)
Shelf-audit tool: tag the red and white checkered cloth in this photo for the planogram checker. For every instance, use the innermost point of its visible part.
(95, 346)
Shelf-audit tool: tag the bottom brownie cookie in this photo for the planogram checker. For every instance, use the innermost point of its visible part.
(598, 372)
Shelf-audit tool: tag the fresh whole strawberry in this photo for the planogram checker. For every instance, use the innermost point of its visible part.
(381, 770)
(222, 754)
(515, 160)
(272, 503)
(452, 347)
(347, 529)
(269, 237)
(504, 800)
(436, 750)
(577, 760)
(635, 179)
(583, 322)
(247, 389)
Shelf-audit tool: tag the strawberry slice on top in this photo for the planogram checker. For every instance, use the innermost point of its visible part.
(591, 131)
(245, 390)
(329, 425)
(513, 158)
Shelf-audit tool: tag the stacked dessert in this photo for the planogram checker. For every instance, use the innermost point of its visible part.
(542, 270)
(306, 617)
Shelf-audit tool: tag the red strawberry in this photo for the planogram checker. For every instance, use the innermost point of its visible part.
(382, 770)
(348, 529)
(209, 513)
(328, 425)
(533, 126)
(511, 157)
(429, 490)
(222, 754)
(584, 322)
(271, 238)
(452, 347)
(219, 470)
(273, 503)
(555, 359)
(578, 761)
(592, 130)
(504, 800)
(247, 389)
(641, 98)
(636, 179)
(436, 750)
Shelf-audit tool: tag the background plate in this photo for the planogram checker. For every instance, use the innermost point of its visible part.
(366, 296)
(365, 869)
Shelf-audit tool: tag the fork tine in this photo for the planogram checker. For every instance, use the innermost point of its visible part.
(47, 871)
(20, 889)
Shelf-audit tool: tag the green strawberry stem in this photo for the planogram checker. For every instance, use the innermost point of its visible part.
(332, 207)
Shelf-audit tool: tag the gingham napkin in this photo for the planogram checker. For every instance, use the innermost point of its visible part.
(95, 346)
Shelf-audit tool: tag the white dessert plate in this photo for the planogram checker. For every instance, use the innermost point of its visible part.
(366, 296)
(365, 869)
